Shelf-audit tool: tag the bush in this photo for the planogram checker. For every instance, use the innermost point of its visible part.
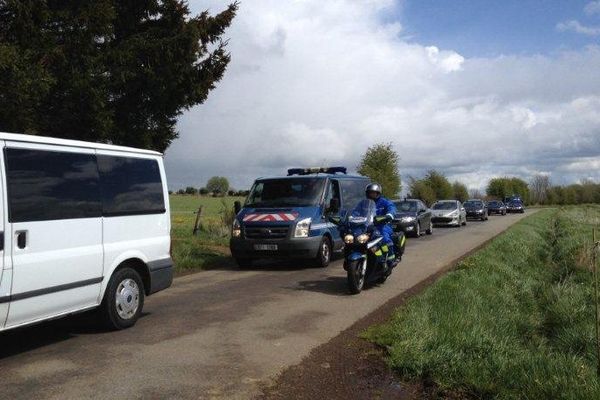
(191, 190)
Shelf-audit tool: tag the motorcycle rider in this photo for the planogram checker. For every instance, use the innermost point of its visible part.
(384, 207)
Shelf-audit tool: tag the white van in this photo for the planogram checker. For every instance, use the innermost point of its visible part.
(82, 225)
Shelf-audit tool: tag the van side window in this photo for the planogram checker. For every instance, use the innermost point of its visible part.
(353, 191)
(130, 186)
(333, 192)
(51, 185)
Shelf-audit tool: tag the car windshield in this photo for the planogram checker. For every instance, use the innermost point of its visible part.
(406, 206)
(494, 203)
(444, 205)
(288, 192)
(363, 213)
(473, 204)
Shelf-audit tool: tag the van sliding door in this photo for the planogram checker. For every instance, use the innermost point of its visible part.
(55, 211)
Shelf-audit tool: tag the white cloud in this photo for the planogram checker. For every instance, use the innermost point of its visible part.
(447, 61)
(577, 27)
(315, 82)
(591, 8)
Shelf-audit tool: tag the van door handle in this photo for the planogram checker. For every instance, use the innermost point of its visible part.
(1, 241)
(22, 239)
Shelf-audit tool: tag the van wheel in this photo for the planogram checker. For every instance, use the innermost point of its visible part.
(324, 253)
(123, 300)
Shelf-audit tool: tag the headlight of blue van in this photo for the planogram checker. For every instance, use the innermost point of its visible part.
(303, 228)
(236, 229)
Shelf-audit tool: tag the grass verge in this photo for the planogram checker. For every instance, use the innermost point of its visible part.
(515, 320)
(210, 247)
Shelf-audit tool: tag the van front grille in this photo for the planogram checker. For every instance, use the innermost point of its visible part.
(266, 232)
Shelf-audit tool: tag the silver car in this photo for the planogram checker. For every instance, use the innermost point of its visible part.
(448, 212)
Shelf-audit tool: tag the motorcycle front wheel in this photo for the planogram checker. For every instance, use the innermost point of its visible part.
(356, 275)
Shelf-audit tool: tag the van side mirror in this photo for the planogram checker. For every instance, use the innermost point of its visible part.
(335, 220)
(334, 205)
(237, 207)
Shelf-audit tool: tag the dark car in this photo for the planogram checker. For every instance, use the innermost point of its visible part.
(412, 217)
(515, 206)
(496, 207)
(476, 209)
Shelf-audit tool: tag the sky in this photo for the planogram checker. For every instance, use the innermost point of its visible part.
(473, 89)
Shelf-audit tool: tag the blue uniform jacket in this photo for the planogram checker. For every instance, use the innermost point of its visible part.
(384, 207)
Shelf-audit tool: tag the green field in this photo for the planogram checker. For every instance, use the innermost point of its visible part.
(514, 321)
(210, 246)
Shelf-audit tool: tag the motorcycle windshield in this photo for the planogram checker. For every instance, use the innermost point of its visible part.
(363, 213)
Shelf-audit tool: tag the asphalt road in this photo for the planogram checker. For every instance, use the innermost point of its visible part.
(215, 334)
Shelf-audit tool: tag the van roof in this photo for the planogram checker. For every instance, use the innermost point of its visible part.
(17, 137)
(319, 175)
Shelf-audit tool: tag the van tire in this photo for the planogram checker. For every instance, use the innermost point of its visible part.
(127, 284)
(324, 253)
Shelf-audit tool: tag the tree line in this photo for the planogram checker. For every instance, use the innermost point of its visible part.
(381, 163)
(216, 186)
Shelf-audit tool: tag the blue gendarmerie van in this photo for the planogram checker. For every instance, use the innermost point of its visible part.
(286, 217)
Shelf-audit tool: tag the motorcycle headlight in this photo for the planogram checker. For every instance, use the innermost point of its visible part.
(362, 238)
(303, 228)
(236, 229)
(348, 239)
(407, 219)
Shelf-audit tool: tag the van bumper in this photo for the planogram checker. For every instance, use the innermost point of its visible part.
(286, 248)
(161, 274)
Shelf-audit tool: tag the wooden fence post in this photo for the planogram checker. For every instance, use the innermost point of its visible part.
(197, 223)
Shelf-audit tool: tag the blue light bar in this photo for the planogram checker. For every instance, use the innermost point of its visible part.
(316, 170)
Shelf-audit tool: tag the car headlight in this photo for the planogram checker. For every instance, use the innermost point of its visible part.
(303, 228)
(348, 239)
(407, 219)
(362, 238)
(453, 213)
(236, 229)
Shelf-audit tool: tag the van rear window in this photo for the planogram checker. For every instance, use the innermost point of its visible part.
(130, 186)
(51, 185)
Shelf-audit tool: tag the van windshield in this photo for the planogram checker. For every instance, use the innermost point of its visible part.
(288, 192)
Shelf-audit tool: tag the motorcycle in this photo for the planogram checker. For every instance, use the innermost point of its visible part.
(366, 259)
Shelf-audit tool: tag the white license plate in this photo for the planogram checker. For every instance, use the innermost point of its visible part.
(265, 247)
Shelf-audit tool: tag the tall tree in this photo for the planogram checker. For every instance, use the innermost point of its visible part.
(504, 187)
(218, 185)
(460, 191)
(419, 189)
(380, 163)
(538, 188)
(107, 70)
(439, 184)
